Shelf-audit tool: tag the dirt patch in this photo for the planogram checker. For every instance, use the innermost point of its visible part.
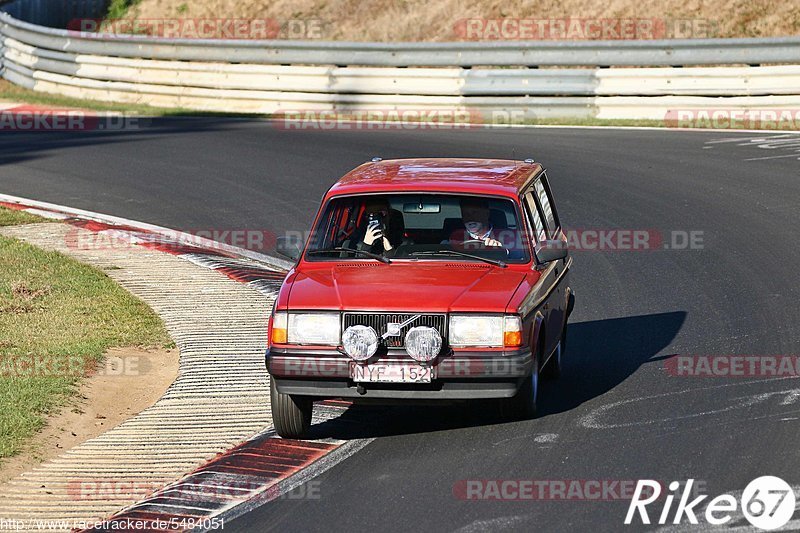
(130, 380)
(442, 20)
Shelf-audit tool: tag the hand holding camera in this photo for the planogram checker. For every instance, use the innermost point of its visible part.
(376, 230)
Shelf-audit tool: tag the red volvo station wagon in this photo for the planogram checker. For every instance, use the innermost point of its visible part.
(423, 279)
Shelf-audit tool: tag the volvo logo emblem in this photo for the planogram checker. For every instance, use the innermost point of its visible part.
(393, 329)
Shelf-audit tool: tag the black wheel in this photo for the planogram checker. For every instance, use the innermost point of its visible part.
(552, 370)
(523, 405)
(290, 414)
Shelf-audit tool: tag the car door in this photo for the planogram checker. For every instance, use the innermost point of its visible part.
(544, 222)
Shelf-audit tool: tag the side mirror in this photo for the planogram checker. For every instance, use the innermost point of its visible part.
(550, 250)
(289, 247)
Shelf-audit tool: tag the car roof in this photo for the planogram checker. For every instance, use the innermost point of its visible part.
(503, 177)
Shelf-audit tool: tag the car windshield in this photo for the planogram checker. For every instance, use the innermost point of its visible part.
(420, 226)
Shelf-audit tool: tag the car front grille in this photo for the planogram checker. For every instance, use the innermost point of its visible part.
(379, 321)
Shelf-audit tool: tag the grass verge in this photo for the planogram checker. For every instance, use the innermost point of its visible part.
(15, 93)
(56, 314)
(12, 217)
(118, 9)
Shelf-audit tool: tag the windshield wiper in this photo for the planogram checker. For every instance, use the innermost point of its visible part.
(342, 249)
(495, 262)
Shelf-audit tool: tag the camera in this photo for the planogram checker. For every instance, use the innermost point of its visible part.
(376, 220)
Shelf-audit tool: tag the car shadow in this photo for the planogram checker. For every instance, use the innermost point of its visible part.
(601, 354)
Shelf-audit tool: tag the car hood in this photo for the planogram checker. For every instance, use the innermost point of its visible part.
(368, 286)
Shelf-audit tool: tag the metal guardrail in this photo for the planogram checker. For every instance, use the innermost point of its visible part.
(431, 81)
(275, 76)
(463, 54)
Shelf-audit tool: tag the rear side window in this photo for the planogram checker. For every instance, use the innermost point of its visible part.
(542, 194)
(535, 218)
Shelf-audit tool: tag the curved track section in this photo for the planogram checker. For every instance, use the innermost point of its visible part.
(219, 398)
(619, 413)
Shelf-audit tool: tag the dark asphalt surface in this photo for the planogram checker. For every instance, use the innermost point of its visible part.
(616, 414)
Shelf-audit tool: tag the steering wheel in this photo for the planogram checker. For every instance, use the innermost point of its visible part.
(483, 245)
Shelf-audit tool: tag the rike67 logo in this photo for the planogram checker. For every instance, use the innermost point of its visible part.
(767, 502)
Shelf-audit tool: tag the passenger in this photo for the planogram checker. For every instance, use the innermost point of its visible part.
(477, 232)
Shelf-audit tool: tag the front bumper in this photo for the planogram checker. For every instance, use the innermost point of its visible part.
(460, 375)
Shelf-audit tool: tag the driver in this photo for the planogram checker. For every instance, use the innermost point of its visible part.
(477, 229)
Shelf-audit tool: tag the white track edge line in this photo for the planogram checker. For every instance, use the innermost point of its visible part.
(270, 260)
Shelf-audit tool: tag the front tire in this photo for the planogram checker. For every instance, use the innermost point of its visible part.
(523, 406)
(552, 370)
(291, 415)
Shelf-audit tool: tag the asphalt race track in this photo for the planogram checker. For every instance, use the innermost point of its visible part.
(617, 413)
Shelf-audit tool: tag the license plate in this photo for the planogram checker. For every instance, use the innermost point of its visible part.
(392, 373)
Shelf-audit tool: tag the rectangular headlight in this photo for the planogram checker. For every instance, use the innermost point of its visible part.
(472, 330)
(314, 328)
